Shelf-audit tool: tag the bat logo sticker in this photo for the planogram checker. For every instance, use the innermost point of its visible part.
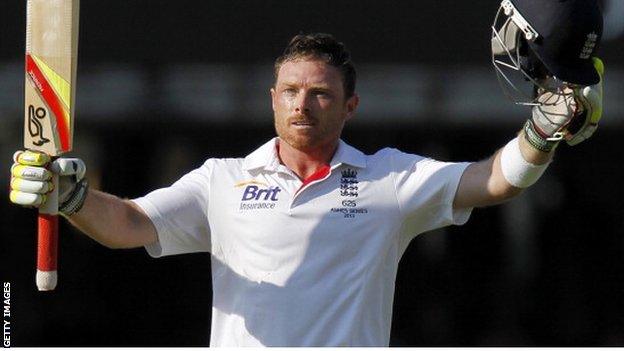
(35, 128)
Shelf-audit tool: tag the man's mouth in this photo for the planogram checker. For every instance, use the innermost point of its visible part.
(303, 123)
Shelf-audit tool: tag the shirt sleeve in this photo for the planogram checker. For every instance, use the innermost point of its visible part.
(179, 214)
(425, 191)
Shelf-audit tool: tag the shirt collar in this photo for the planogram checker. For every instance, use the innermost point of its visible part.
(347, 154)
(266, 157)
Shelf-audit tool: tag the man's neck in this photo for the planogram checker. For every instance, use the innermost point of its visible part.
(305, 162)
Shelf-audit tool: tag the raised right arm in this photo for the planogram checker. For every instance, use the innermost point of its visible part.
(109, 220)
(114, 222)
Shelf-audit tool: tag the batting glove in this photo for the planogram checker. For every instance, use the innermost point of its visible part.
(585, 124)
(31, 180)
(572, 114)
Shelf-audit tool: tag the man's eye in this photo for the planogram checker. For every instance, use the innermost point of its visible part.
(290, 91)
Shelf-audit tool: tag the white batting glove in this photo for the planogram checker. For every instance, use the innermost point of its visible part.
(555, 112)
(31, 176)
(571, 115)
(546, 127)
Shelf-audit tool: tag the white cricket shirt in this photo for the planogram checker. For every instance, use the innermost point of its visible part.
(304, 266)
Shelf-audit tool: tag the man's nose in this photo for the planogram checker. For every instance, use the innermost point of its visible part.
(302, 103)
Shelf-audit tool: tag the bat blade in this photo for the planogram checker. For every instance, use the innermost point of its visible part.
(49, 105)
(51, 61)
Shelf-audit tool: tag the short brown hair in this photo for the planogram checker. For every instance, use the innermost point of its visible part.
(323, 47)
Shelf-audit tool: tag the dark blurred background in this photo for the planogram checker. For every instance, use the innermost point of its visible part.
(163, 85)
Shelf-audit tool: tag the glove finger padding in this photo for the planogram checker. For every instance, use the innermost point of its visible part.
(585, 123)
(31, 158)
(31, 186)
(30, 172)
(26, 199)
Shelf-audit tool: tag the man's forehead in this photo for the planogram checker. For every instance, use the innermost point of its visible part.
(308, 71)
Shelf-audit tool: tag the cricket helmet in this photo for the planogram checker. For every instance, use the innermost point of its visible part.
(549, 42)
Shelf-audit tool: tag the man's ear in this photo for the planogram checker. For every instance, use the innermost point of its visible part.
(351, 105)
(273, 94)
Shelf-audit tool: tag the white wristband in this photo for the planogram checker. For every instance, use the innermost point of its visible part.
(516, 170)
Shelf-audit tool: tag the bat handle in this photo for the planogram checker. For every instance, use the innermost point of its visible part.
(47, 241)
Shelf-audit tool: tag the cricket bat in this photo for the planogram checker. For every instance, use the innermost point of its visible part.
(50, 90)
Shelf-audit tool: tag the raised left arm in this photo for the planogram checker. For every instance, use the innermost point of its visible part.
(571, 115)
(483, 183)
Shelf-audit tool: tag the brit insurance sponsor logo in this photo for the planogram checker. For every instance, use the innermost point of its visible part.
(257, 195)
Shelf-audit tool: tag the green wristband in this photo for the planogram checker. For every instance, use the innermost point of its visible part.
(536, 140)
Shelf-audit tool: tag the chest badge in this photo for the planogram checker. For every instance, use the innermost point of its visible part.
(349, 192)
